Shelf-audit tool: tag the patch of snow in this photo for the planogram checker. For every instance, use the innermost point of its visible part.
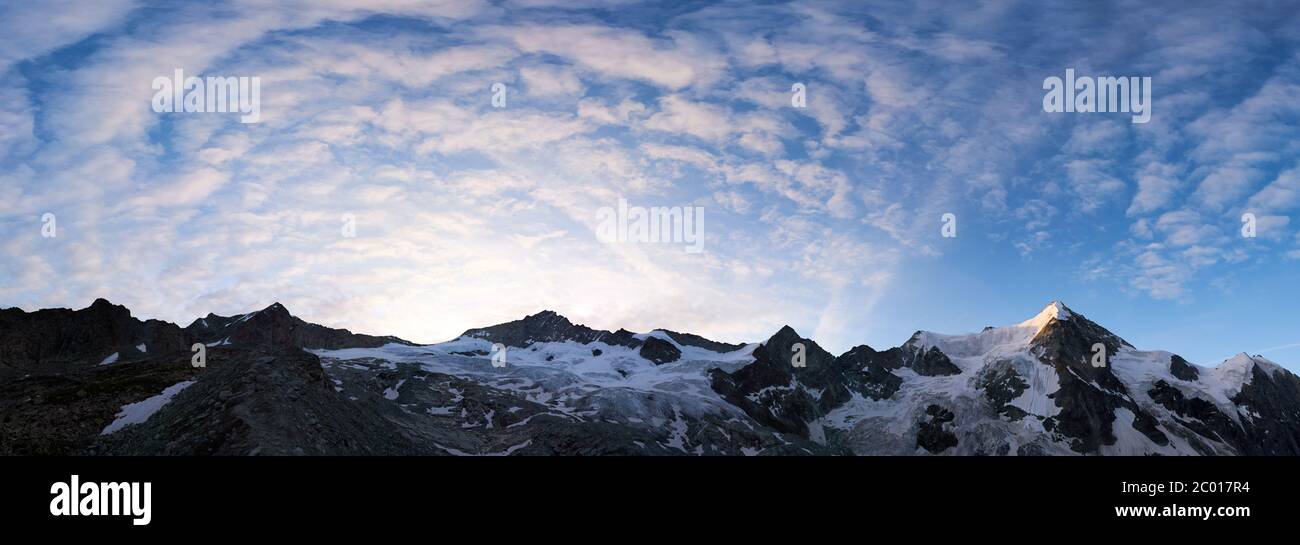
(111, 359)
(511, 450)
(141, 347)
(392, 393)
(508, 451)
(677, 438)
(138, 412)
(1043, 381)
(454, 452)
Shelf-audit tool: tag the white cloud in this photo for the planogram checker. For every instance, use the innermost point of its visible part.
(1092, 184)
(1184, 228)
(620, 53)
(400, 65)
(1157, 184)
(1283, 193)
(30, 29)
(682, 116)
(732, 200)
(1225, 184)
(544, 80)
(599, 112)
(187, 189)
(498, 132)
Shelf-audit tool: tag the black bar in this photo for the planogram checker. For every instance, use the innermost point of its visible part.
(328, 494)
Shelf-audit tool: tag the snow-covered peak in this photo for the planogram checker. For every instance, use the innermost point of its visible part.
(1242, 359)
(1243, 365)
(1233, 374)
(1053, 311)
(971, 351)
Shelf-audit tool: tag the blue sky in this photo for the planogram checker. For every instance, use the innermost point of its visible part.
(825, 217)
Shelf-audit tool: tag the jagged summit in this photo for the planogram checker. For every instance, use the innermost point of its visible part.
(688, 339)
(100, 334)
(548, 319)
(1055, 310)
(101, 302)
(106, 308)
(547, 326)
(213, 320)
(276, 326)
(551, 326)
(786, 330)
(274, 310)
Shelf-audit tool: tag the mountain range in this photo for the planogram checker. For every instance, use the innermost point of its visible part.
(98, 381)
